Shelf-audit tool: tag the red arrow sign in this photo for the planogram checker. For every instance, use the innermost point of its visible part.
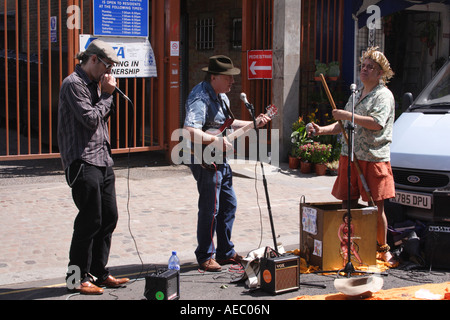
(259, 64)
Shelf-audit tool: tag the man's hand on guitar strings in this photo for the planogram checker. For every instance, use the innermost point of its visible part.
(222, 144)
(262, 120)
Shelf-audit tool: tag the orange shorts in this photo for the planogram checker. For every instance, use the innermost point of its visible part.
(378, 176)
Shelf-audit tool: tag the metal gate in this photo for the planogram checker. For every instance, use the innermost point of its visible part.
(38, 42)
(322, 39)
(322, 36)
(257, 34)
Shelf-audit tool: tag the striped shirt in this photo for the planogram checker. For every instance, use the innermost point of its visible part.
(83, 121)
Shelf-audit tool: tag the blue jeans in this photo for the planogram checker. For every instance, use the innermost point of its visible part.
(216, 212)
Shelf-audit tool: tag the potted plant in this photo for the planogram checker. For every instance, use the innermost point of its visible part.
(299, 136)
(332, 167)
(294, 157)
(428, 34)
(321, 68)
(305, 157)
(334, 70)
(320, 154)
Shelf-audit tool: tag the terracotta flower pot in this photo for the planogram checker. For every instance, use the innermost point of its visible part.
(293, 162)
(321, 169)
(305, 167)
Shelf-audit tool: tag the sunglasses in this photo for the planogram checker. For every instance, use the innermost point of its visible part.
(369, 67)
(107, 65)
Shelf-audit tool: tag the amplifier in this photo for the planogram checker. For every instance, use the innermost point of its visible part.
(280, 274)
(437, 245)
(163, 285)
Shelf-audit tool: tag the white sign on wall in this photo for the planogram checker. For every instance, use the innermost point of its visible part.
(137, 59)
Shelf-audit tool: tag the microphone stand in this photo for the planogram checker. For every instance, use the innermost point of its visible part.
(349, 268)
(252, 113)
(251, 109)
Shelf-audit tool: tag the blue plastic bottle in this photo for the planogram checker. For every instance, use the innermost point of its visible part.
(174, 262)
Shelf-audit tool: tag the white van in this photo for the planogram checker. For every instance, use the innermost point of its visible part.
(420, 153)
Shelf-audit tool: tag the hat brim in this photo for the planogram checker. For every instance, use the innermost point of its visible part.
(359, 286)
(229, 72)
(103, 49)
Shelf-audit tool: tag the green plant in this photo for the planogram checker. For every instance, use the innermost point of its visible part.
(333, 69)
(299, 136)
(428, 34)
(295, 151)
(321, 153)
(306, 152)
(321, 68)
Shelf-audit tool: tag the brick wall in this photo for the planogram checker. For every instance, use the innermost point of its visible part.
(223, 13)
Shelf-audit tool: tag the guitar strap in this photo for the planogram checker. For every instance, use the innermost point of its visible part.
(226, 111)
(230, 113)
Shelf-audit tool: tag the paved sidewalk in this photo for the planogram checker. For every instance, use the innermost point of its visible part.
(157, 205)
(158, 213)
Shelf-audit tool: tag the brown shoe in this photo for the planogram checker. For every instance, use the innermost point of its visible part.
(236, 259)
(87, 288)
(210, 265)
(112, 282)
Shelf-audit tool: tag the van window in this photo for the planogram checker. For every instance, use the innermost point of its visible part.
(437, 94)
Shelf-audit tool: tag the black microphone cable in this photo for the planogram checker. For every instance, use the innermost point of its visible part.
(117, 90)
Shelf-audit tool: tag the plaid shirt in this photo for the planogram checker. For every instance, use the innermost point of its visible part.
(83, 121)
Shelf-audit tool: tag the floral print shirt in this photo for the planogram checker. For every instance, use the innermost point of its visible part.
(370, 145)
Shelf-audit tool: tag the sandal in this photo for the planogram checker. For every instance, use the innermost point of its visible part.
(384, 254)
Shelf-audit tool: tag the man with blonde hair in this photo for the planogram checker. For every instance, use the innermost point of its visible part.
(374, 121)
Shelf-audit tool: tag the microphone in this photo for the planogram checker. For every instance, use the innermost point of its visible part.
(353, 88)
(120, 92)
(244, 99)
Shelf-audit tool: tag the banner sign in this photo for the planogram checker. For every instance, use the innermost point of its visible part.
(137, 59)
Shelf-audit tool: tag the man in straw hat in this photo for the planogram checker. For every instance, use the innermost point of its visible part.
(85, 106)
(374, 119)
(208, 108)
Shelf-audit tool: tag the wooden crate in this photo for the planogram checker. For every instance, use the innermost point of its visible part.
(320, 224)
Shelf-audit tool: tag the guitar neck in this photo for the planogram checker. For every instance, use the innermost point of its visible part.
(272, 111)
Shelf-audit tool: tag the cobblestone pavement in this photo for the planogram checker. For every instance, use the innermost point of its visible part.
(158, 207)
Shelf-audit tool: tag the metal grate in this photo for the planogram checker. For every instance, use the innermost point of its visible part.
(236, 41)
(425, 179)
(204, 29)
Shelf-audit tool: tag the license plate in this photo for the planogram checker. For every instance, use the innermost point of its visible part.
(412, 199)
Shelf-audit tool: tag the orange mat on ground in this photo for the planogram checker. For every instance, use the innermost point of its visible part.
(306, 268)
(439, 291)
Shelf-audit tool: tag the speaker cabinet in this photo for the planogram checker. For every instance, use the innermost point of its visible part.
(280, 274)
(163, 285)
(437, 245)
(323, 235)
